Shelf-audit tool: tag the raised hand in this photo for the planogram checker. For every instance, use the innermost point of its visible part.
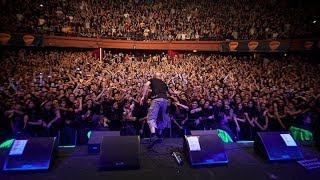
(142, 101)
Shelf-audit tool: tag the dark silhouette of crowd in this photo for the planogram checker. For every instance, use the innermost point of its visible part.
(162, 20)
(57, 92)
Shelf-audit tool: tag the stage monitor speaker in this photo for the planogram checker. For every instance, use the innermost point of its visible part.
(276, 146)
(30, 154)
(96, 138)
(119, 152)
(316, 135)
(204, 148)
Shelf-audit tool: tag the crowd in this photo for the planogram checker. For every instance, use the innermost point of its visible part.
(162, 20)
(45, 93)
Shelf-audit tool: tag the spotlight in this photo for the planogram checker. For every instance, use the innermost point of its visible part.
(41, 5)
(314, 21)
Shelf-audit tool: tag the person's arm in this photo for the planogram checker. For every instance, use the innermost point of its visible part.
(76, 89)
(236, 122)
(174, 92)
(80, 106)
(279, 119)
(265, 127)
(132, 106)
(303, 98)
(18, 112)
(86, 115)
(196, 110)
(292, 113)
(126, 117)
(105, 121)
(11, 84)
(100, 95)
(71, 78)
(182, 105)
(175, 122)
(220, 95)
(256, 85)
(258, 106)
(87, 82)
(9, 114)
(239, 119)
(248, 119)
(144, 91)
(270, 115)
(135, 100)
(11, 123)
(26, 122)
(60, 96)
(230, 117)
(282, 116)
(280, 122)
(66, 109)
(144, 119)
(255, 121)
(211, 117)
(185, 120)
(56, 118)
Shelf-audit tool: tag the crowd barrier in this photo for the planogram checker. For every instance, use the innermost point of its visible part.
(187, 45)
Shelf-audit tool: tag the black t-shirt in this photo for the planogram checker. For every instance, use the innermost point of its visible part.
(281, 110)
(140, 111)
(114, 114)
(239, 113)
(159, 88)
(48, 115)
(252, 112)
(196, 115)
(4, 125)
(68, 115)
(261, 117)
(217, 110)
(33, 114)
(207, 112)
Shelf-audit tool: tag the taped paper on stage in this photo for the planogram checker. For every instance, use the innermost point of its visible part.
(287, 138)
(193, 142)
(18, 147)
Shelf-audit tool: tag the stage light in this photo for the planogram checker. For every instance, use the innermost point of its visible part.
(314, 21)
(6, 144)
(41, 5)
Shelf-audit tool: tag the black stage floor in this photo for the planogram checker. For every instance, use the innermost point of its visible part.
(75, 163)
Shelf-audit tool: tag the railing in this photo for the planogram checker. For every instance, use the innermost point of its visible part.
(131, 44)
(184, 45)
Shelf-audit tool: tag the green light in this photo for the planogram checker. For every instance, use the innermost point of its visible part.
(71, 146)
(300, 134)
(6, 144)
(89, 134)
(224, 136)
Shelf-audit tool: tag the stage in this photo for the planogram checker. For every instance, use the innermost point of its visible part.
(75, 163)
